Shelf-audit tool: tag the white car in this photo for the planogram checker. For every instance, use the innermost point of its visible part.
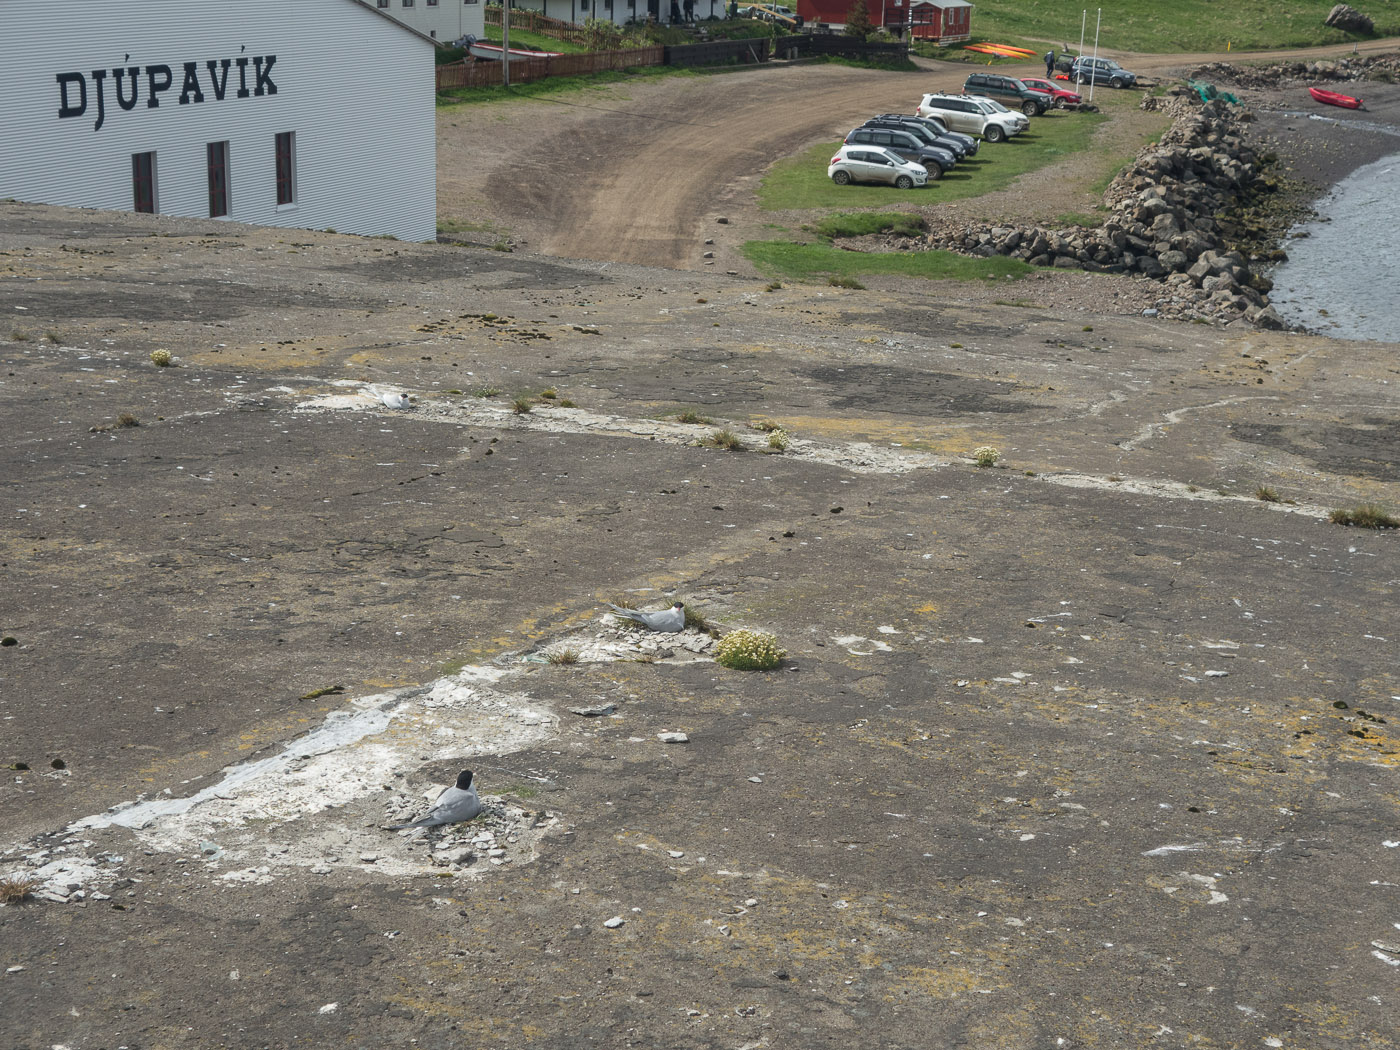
(974, 115)
(875, 164)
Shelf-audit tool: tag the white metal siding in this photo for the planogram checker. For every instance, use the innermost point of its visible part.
(356, 89)
(447, 21)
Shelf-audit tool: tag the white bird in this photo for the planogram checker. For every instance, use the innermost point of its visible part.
(454, 805)
(670, 620)
(393, 399)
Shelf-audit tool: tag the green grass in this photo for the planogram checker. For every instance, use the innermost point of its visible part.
(533, 41)
(860, 223)
(801, 182)
(813, 261)
(1160, 28)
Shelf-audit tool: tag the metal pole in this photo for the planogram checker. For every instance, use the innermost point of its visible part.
(505, 43)
(1094, 73)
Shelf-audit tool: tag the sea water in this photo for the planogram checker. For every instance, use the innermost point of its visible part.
(1342, 277)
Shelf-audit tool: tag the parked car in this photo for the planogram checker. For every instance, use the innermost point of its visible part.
(1059, 97)
(923, 134)
(873, 164)
(967, 145)
(956, 142)
(907, 145)
(1088, 70)
(1008, 90)
(1021, 121)
(973, 116)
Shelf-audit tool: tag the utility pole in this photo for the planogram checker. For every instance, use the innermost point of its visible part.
(505, 43)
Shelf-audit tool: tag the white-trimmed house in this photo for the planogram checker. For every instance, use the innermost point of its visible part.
(620, 11)
(443, 20)
(316, 114)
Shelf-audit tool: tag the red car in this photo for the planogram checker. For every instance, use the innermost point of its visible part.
(1062, 98)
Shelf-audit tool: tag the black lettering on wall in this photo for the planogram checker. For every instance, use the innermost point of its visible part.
(220, 83)
(264, 86)
(189, 90)
(99, 78)
(67, 108)
(133, 72)
(242, 64)
(153, 88)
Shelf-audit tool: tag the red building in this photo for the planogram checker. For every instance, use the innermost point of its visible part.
(945, 21)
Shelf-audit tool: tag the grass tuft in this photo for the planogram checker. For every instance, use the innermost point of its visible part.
(562, 657)
(126, 419)
(693, 418)
(15, 889)
(1366, 516)
(725, 439)
(1266, 494)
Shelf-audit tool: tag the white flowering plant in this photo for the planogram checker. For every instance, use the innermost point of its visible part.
(986, 456)
(746, 650)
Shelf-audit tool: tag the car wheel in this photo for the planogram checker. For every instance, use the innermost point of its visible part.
(1030, 108)
(1116, 82)
(935, 171)
(1059, 103)
(840, 177)
(994, 133)
(904, 182)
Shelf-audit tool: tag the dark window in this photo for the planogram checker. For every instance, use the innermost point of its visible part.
(383, 3)
(218, 178)
(407, 3)
(432, 3)
(143, 182)
(286, 173)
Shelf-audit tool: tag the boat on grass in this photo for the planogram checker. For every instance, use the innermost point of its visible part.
(481, 49)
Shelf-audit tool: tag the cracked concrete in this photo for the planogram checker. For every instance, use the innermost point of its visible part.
(1083, 749)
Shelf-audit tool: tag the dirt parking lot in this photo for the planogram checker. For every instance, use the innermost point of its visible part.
(1092, 748)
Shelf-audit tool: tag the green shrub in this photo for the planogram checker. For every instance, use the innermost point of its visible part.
(745, 650)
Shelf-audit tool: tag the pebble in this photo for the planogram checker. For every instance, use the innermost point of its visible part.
(615, 922)
(755, 780)
(673, 738)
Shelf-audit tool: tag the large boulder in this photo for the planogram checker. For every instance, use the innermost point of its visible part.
(1349, 20)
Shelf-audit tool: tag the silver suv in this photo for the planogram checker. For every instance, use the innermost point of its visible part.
(974, 116)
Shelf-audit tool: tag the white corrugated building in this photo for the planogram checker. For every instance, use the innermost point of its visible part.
(444, 20)
(315, 114)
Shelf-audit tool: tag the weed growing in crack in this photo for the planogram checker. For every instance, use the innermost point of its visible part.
(725, 439)
(1366, 516)
(16, 888)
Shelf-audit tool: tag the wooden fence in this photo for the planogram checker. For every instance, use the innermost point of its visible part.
(714, 52)
(537, 23)
(837, 44)
(490, 74)
(719, 52)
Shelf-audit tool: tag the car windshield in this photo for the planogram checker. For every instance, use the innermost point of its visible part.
(997, 106)
(897, 161)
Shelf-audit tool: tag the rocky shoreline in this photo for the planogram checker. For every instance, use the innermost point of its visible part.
(1203, 211)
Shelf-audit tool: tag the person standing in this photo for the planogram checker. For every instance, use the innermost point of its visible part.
(1050, 64)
